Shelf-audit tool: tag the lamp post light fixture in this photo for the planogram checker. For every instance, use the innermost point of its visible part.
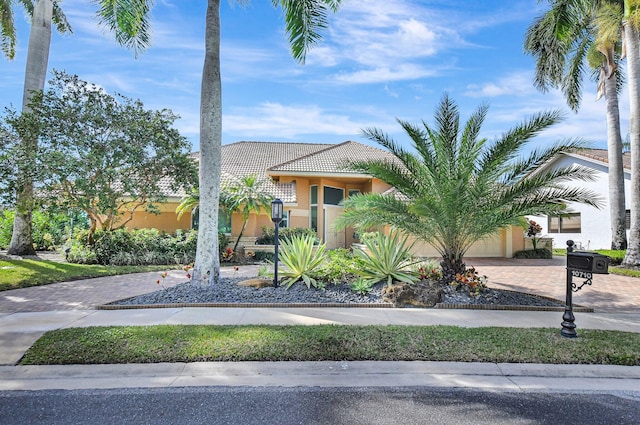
(276, 217)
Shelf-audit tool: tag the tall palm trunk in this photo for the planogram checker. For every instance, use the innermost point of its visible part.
(616, 169)
(35, 75)
(633, 70)
(207, 264)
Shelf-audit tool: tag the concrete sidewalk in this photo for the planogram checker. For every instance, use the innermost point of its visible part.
(20, 330)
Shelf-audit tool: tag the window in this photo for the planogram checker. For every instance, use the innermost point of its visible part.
(313, 210)
(224, 220)
(627, 219)
(353, 192)
(567, 223)
(285, 220)
(333, 195)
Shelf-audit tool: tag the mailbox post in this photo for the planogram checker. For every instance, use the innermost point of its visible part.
(584, 265)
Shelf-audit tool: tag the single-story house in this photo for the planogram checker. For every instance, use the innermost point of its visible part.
(310, 180)
(589, 227)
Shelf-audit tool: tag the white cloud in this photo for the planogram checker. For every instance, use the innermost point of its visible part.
(288, 121)
(515, 84)
(401, 72)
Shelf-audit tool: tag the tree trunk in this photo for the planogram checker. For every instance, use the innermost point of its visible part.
(206, 269)
(451, 265)
(616, 169)
(244, 226)
(632, 258)
(34, 78)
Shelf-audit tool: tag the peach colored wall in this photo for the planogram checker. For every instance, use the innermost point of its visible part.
(167, 220)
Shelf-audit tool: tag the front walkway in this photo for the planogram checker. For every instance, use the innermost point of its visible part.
(608, 293)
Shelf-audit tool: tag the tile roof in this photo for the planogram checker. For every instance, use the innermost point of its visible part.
(602, 156)
(264, 158)
(332, 159)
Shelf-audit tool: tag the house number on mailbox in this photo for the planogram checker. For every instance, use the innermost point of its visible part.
(581, 274)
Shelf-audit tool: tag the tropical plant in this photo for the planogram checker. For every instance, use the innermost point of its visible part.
(389, 258)
(470, 281)
(189, 203)
(362, 286)
(341, 265)
(571, 34)
(458, 188)
(304, 20)
(532, 232)
(268, 234)
(428, 270)
(246, 195)
(301, 261)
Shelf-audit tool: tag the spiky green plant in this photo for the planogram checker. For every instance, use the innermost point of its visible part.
(455, 187)
(387, 258)
(300, 260)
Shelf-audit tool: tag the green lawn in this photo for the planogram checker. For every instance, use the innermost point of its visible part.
(25, 273)
(616, 258)
(193, 343)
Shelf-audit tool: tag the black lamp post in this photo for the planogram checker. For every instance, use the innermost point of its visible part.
(276, 217)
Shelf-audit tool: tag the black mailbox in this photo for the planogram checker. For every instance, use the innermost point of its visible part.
(590, 262)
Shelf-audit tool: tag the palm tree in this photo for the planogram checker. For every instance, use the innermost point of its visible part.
(8, 29)
(458, 188)
(630, 24)
(189, 203)
(570, 34)
(43, 13)
(246, 196)
(304, 19)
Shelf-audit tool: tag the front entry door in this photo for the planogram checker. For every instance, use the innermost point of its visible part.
(333, 237)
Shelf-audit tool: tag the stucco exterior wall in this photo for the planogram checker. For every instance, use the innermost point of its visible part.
(595, 223)
(504, 244)
(167, 220)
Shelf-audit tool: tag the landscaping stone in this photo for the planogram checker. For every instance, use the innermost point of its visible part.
(417, 295)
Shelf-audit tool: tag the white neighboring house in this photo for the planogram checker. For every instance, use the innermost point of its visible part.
(589, 227)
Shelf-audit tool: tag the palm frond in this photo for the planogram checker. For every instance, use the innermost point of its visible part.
(128, 20)
(304, 21)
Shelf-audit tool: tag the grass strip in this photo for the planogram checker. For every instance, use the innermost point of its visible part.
(195, 343)
(25, 273)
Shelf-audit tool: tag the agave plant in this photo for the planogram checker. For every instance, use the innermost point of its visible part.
(300, 260)
(387, 258)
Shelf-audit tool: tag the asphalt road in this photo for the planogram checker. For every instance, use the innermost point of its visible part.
(353, 406)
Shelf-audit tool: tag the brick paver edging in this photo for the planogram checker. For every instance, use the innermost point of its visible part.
(244, 305)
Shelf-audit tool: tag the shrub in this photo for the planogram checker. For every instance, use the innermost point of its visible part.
(470, 281)
(361, 286)
(284, 234)
(544, 253)
(388, 258)
(301, 261)
(341, 265)
(133, 247)
(428, 270)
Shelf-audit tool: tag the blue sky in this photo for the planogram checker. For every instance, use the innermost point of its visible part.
(378, 60)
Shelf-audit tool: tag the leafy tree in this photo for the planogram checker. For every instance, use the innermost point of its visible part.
(246, 195)
(458, 188)
(304, 19)
(105, 155)
(570, 35)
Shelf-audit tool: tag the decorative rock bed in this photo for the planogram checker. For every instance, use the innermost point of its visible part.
(229, 293)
